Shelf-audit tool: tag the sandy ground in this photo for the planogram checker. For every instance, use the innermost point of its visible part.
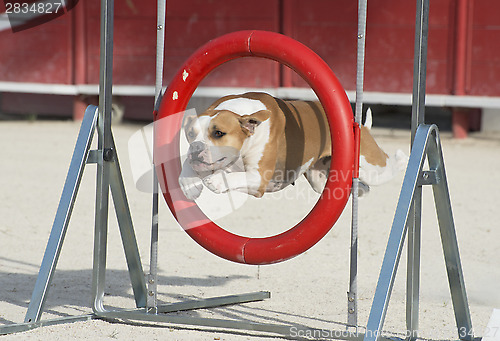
(309, 289)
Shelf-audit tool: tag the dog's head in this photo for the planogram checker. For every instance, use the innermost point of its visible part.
(216, 137)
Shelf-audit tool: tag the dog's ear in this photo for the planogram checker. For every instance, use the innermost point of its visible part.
(250, 122)
(189, 126)
(188, 119)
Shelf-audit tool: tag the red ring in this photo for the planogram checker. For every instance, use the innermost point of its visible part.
(327, 210)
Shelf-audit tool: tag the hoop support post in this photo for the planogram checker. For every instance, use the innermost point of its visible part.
(152, 297)
(418, 118)
(109, 177)
(352, 296)
(104, 145)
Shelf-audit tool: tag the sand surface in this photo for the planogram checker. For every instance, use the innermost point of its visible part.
(309, 289)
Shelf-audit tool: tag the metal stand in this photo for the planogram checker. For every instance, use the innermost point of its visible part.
(111, 179)
(425, 142)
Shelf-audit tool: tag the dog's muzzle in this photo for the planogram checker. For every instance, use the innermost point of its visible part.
(203, 158)
(197, 152)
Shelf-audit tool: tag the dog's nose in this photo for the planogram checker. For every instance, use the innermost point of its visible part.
(196, 148)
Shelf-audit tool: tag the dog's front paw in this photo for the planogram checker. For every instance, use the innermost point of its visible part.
(216, 182)
(401, 160)
(191, 187)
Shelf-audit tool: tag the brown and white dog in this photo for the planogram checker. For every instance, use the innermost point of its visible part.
(256, 143)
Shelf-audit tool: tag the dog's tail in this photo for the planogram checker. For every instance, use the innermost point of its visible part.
(368, 119)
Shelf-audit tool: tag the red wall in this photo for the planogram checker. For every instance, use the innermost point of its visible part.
(66, 50)
(42, 54)
(483, 48)
(330, 29)
(189, 25)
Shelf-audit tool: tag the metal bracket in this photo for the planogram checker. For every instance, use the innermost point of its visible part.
(429, 177)
(94, 156)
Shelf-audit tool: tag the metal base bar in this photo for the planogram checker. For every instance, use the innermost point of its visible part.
(142, 314)
(427, 143)
(215, 302)
(23, 327)
(289, 331)
(204, 303)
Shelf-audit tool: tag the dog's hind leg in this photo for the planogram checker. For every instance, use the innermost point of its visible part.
(317, 174)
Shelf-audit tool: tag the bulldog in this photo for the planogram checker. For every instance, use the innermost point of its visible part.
(256, 143)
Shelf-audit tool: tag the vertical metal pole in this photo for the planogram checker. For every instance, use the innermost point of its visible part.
(418, 118)
(413, 265)
(419, 66)
(152, 301)
(352, 306)
(105, 156)
(360, 69)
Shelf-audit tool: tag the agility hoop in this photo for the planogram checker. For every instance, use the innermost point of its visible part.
(332, 96)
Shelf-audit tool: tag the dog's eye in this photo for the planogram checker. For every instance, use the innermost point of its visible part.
(218, 134)
(191, 134)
